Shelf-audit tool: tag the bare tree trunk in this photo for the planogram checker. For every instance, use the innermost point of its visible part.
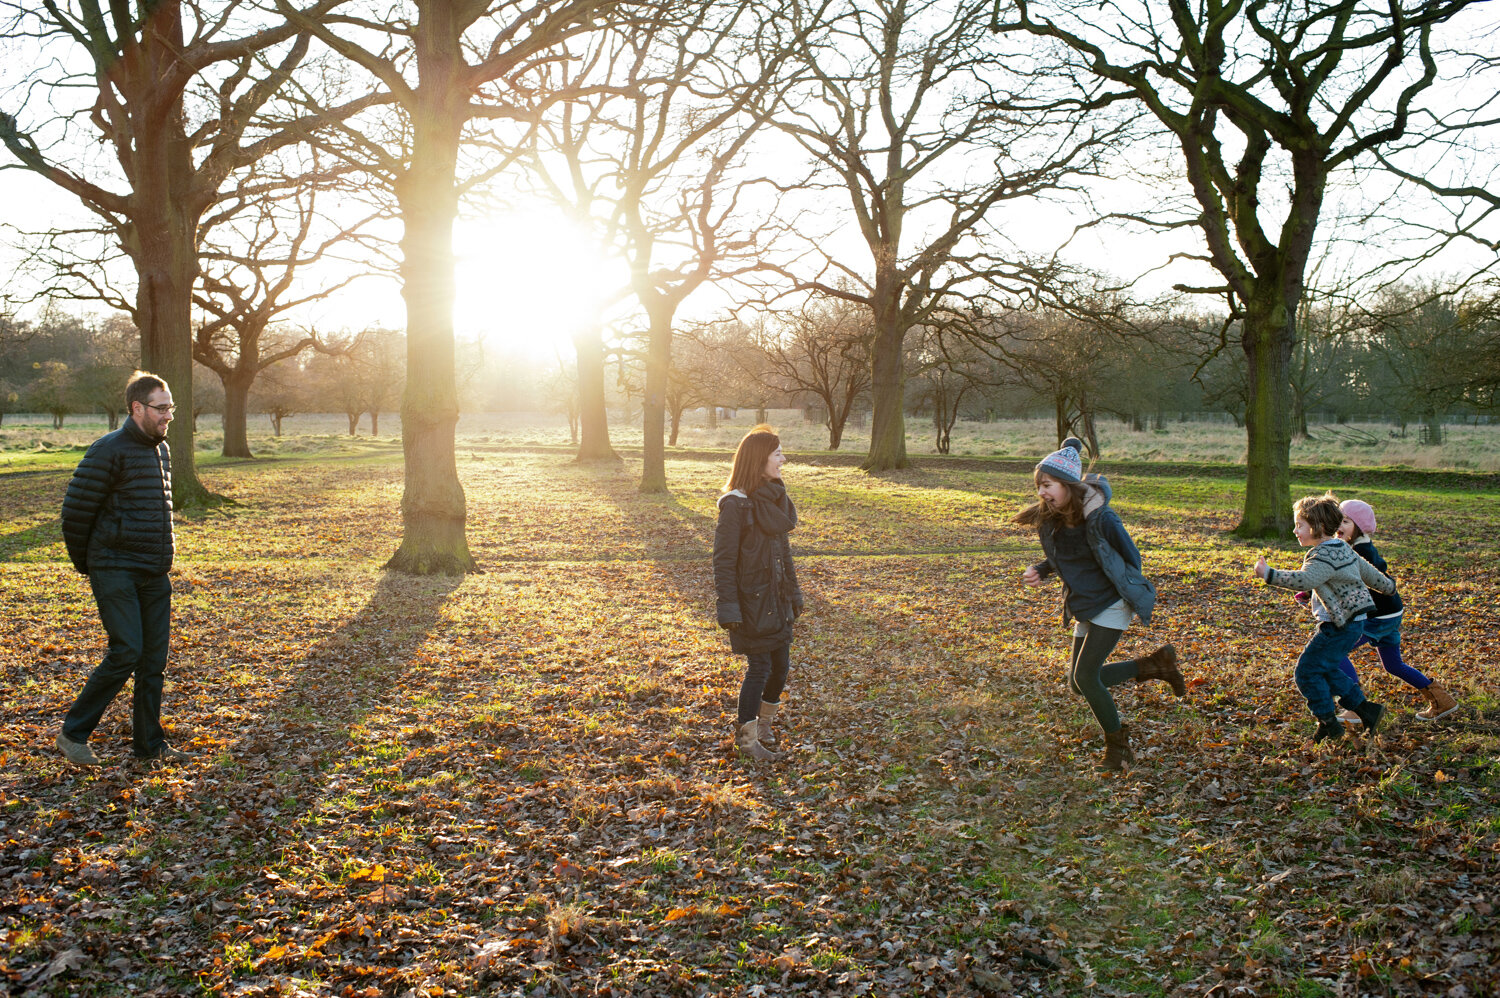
(676, 425)
(236, 407)
(593, 421)
(1267, 342)
(353, 418)
(433, 508)
(838, 417)
(888, 395)
(653, 409)
(374, 422)
(713, 417)
(1060, 416)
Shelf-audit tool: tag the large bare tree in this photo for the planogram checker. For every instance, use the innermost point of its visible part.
(922, 125)
(821, 350)
(1265, 100)
(256, 244)
(653, 153)
(168, 150)
(446, 64)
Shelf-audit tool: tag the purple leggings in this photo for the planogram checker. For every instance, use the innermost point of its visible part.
(1384, 633)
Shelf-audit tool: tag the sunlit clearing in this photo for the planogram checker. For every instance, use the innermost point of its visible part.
(526, 280)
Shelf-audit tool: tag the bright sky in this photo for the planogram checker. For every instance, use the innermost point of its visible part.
(526, 277)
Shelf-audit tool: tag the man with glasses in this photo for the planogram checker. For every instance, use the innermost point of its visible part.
(117, 523)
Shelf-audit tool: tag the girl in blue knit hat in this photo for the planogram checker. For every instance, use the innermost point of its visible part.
(1088, 547)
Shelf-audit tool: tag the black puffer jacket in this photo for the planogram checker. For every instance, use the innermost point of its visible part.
(1116, 553)
(754, 577)
(117, 513)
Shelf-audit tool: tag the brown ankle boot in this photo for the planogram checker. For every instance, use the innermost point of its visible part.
(1161, 664)
(1117, 750)
(748, 744)
(1440, 702)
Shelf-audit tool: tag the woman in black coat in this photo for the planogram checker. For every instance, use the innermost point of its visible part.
(756, 584)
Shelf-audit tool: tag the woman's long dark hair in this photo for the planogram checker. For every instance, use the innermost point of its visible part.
(750, 457)
(1070, 515)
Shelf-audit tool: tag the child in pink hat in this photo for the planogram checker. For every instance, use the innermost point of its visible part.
(1383, 627)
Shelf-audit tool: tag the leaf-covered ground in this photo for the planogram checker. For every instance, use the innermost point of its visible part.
(520, 783)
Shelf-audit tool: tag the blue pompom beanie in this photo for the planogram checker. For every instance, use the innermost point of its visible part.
(1065, 465)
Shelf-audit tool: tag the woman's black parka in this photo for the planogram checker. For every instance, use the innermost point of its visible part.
(754, 579)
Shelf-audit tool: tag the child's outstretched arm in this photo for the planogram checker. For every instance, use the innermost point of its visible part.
(1374, 577)
(1314, 574)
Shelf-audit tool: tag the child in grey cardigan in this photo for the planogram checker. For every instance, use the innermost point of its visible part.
(1340, 581)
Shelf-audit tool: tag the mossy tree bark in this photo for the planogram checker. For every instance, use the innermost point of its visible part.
(888, 399)
(434, 509)
(654, 404)
(1267, 341)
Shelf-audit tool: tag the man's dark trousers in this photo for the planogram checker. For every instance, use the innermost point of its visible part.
(136, 608)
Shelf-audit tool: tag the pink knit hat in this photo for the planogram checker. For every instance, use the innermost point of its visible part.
(1360, 513)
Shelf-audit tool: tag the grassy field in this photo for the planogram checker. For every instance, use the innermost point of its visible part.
(1465, 448)
(520, 783)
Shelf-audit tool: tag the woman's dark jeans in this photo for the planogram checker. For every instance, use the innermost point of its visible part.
(765, 678)
(136, 608)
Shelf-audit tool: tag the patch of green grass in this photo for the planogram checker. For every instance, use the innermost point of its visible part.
(1310, 987)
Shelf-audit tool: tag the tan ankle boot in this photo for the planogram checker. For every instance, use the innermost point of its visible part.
(763, 732)
(1440, 702)
(748, 744)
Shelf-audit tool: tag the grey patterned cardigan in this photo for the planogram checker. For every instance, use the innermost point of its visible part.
(1337, 578)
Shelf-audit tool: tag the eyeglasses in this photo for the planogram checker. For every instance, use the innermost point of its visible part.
(168, 409)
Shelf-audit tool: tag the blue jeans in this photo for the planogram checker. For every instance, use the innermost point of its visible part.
(136, 609)
(765, 678)
(1318, 674)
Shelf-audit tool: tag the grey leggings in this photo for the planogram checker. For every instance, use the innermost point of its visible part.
(1089, 676)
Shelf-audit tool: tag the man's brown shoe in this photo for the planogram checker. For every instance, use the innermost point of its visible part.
(78, 753)
(165, 754)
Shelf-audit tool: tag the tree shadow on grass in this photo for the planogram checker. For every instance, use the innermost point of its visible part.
(357, 667)
(16, 542)
(667, 527)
